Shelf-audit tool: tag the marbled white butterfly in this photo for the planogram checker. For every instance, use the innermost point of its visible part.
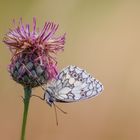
(71, 85)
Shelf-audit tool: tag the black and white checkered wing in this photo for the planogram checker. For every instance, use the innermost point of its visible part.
(75, 84)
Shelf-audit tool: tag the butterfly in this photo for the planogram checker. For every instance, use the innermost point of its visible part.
(71, 85)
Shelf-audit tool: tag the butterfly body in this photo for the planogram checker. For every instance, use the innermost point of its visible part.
(49, 98)
(72, 84)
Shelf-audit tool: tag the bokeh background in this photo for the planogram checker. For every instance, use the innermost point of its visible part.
(103, 37)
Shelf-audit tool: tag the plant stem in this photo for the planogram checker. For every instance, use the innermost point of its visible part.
(27, 95)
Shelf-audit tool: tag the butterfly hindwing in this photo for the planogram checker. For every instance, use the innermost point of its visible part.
(74, 84)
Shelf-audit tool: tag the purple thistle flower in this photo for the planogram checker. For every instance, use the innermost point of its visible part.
(32, 52)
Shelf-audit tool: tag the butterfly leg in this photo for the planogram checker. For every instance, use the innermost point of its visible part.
(55, 114)
(55, 106)
(60, 109)
(39, 97)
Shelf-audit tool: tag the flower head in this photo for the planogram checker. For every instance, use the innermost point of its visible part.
(32, 52)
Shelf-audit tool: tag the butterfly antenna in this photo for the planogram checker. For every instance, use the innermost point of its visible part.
(55, 114)
(60, 109)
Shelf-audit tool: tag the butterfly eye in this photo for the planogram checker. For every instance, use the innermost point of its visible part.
(75, 75)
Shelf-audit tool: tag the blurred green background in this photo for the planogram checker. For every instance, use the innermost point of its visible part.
(103, 37)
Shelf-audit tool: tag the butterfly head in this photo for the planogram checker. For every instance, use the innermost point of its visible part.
(48, 97)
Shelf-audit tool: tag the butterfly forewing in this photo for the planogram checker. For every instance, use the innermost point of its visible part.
(74, 84)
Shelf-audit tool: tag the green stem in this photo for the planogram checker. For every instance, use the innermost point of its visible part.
(27, 95)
